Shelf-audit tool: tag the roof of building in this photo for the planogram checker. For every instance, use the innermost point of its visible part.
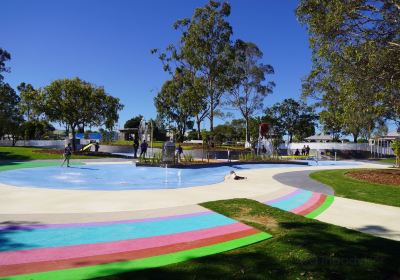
(321, 137)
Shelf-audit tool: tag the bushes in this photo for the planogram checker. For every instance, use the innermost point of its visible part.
(255, 157)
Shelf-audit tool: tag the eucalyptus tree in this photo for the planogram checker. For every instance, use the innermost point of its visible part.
(204, 50)
(356, 50)
(10, 116)
(4, 56)
(30, 104)
(77, 103)
(248, 74)
(292, 118)
(173, 104)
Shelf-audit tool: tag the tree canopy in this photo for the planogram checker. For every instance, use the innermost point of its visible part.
(202, 56)
(10, 116)
(76, 103)
(30, 104)
(356, 52)
(293, 118)
(4, 56)
(173, 104)
(248, 74)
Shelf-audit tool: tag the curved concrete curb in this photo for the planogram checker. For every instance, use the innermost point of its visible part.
(302, 180)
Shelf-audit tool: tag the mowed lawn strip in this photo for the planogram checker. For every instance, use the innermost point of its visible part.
(300, 248)
(347, 187)
(31, 153)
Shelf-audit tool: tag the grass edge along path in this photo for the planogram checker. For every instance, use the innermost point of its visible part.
(356, 189)
(32, 164)
(325, 205)
(102, 270)
(36, 153)
(305, 248)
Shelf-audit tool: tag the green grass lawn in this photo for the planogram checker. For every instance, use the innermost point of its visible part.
(300, 248)
(388, 160)
(356, 189)
(28, 153)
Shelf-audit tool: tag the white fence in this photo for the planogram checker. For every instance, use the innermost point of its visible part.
(35, 143)
(331, 146)
(373, 149)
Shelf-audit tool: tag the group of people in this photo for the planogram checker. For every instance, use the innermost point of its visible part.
(305, 151)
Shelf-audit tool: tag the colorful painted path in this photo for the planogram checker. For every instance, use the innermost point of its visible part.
(99, 248)
(302, 202)
(94, 249)
(83, 246)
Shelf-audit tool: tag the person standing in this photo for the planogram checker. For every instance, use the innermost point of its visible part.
(67, 154)
(143, 149)
(135, 147)
(96, 147)
(308, 150)
(263, 149)
(179, 152)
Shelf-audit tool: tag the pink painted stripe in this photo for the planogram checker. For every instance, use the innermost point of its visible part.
(284, 197)
(314, 199)
(59, 253)
(155, 219)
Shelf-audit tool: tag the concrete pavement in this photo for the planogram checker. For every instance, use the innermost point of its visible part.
(23, 203)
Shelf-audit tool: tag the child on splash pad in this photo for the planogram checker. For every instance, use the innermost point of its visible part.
(236, 177)
(67, 154)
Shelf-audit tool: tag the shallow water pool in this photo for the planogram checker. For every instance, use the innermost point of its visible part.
(120, 176)
(123, 176)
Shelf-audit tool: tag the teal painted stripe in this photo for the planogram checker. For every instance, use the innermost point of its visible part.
(293, 201)
(54, 237)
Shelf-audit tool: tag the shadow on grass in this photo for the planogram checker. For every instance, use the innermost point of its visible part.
(301, 248)
(339, 253)
(12, 156)
(249, 265)
(10, 228)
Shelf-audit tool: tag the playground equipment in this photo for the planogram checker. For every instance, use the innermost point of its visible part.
(265, 140)
(168, 152)
(143, 132)
(87, 147)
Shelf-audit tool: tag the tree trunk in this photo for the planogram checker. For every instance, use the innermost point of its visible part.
(73, 138)
(247, 130)
(355, 136)
(212, 115)
(198, 128)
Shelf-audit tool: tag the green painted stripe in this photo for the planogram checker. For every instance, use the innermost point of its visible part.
(88, 272)
(328, 201)
(32, 164)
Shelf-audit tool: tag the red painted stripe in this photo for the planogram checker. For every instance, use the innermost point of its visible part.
(9, 270)
(314, 199)
(315, 206)
(86, 250)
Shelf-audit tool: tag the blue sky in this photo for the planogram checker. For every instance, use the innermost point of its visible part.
(108, 43)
